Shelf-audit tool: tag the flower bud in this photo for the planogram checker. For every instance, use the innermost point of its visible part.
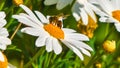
(18, 2)
(98, 65)
(109, 46)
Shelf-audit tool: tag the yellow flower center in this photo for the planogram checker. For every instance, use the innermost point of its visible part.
(54, 31)
(5, 63)
(89, 28)
(116, 14)
(18, 2)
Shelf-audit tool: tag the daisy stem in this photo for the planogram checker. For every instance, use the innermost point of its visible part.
(34, 58)
(94, 58)
(19, 25)
(22, 61)
(91, 60)
(107, 29)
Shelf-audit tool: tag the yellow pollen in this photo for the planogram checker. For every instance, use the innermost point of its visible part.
(5, 63)
(116, 14)
(89, 28)
(54, 31)
(18, 2)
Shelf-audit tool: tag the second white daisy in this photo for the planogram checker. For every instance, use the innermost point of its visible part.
(110, 11)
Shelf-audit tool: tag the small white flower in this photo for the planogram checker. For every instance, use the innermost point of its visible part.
(82, 9)
(50, 34)
(60, 3)
(110, 11)
(4, 40)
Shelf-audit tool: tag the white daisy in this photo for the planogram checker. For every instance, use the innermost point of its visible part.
(110, 12)
(4, 62)
(60, 3)
(82, 9)
(4, 40)
(50, 34)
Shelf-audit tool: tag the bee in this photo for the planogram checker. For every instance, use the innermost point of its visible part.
(57, 20)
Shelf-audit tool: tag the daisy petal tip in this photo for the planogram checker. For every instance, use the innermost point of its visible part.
(48, 50)
(13, 16)
(38, 45)
(82, 59)
(57, 53)
(91, 49)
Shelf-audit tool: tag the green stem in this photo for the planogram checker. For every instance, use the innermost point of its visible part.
(19, 25)
(98, 54)
(2, 4)
(107, 28)
(19, 10)
(91, 60)
(33, 59)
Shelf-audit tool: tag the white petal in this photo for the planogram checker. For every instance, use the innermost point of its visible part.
(84, 16)
(2, 15)
(5, 40)
(2, 23)
(31, 19)
(76, 11)
(49, 44)
(50, 2)
(90, 11)
(4, 32)
(108, 19)
(75, 7)
(63, 3)
(85, 52)
(28, 11)
(1, 57)
(41, 17)
(79, 44)
(77, 16)
(97, 10)
(67, 30)
(117, 25)
(41, 41)
(56, 46)
(106, 6)
(26, 21)
(75, 50)
(32, 31)
(76, 36)
(115, 3)
(3, 46)
(103, 19)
